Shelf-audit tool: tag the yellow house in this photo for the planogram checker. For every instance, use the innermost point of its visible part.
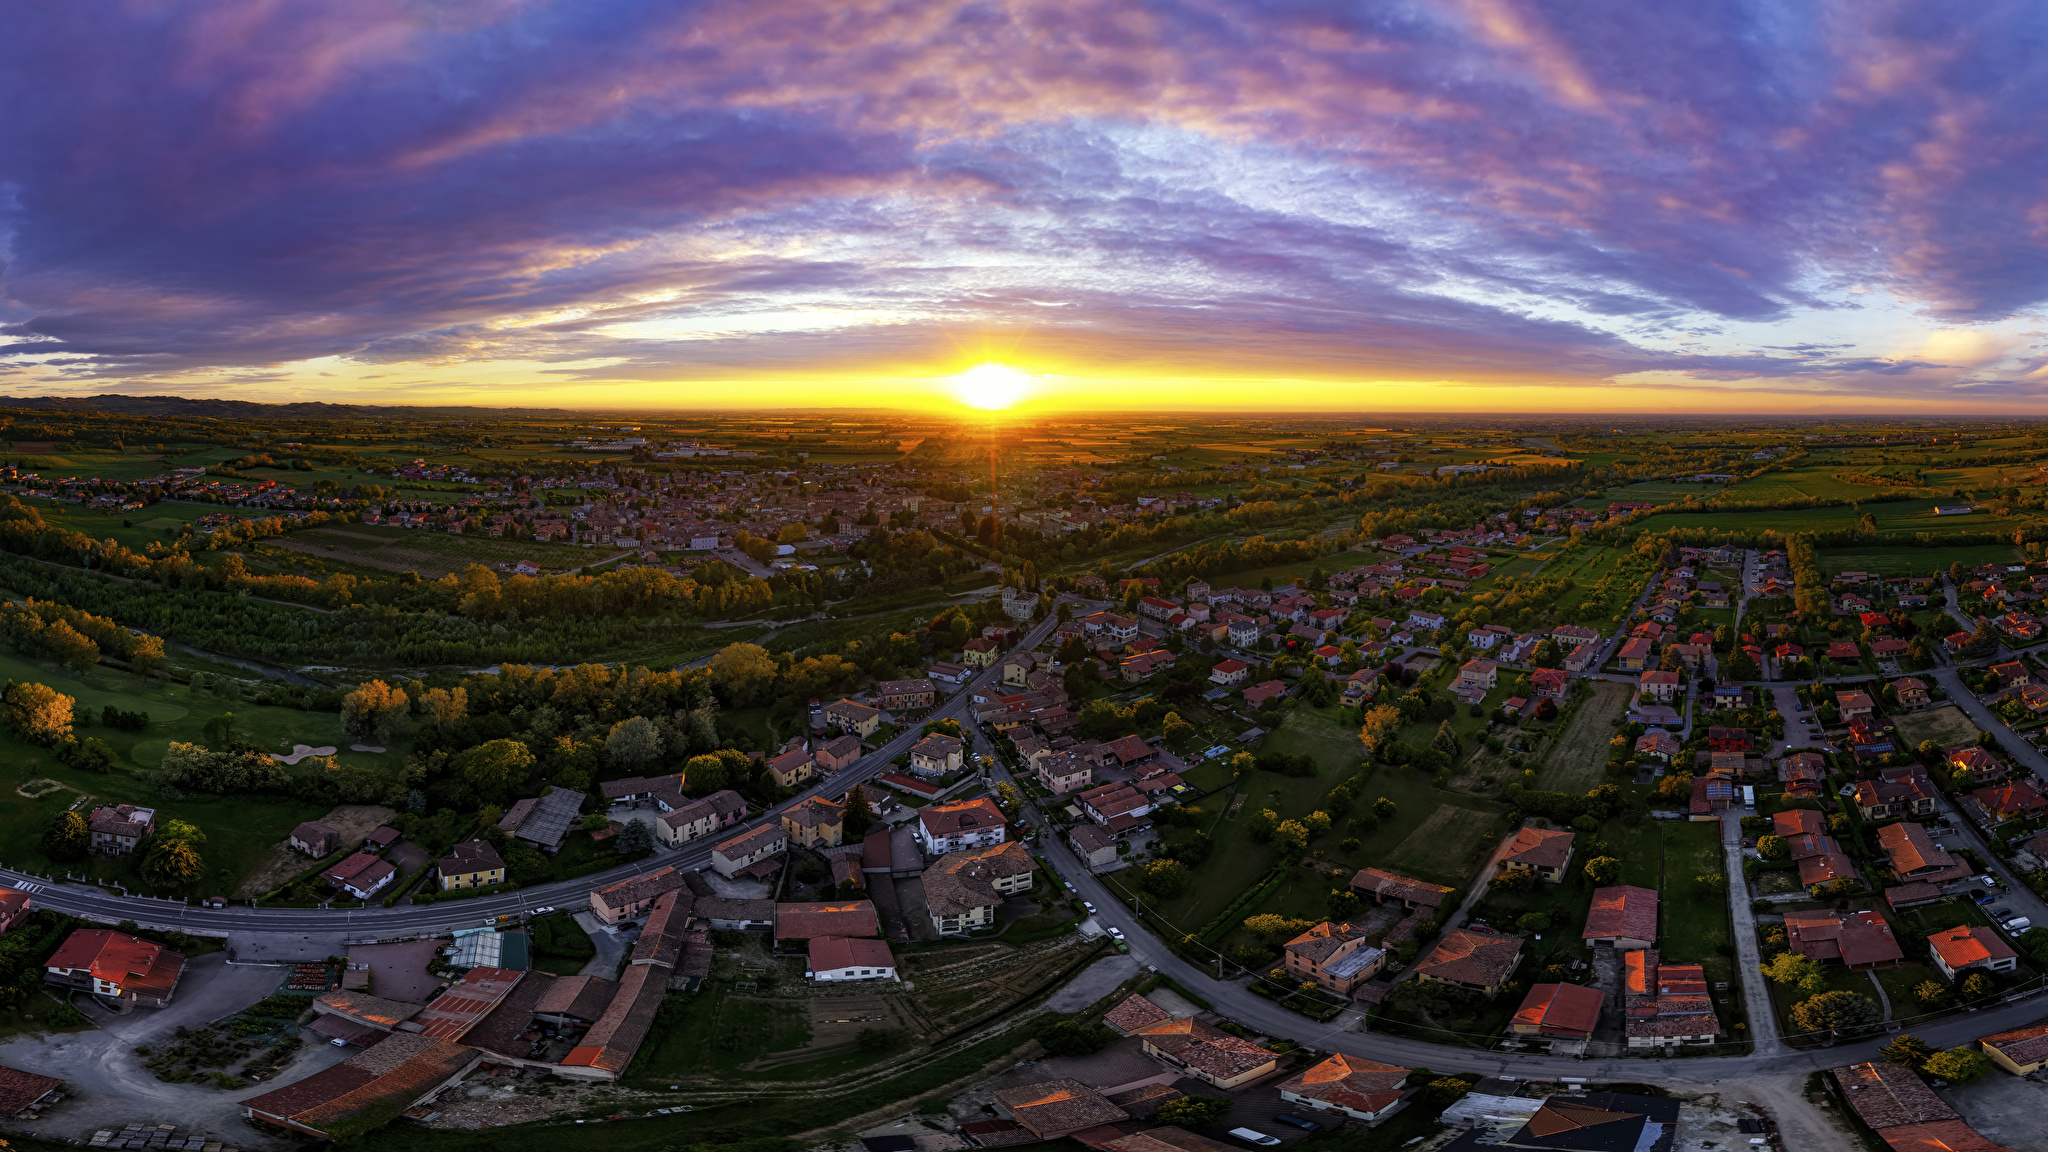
(857, 718)
(816, 822)
(471, 864)
(792, 768)
(2020, 1051)
(978, 653)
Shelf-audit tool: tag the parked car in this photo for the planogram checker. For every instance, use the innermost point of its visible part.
(2001, 915)
(1115, 933)
(2017, 925)
(1089, 906)
(1305, 1125)
(1252, 1136)
(1069, 884)
(1981, 896)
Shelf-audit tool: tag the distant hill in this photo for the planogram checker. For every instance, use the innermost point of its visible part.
(250, 410)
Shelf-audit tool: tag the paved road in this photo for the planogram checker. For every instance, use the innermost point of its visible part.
(432, 919)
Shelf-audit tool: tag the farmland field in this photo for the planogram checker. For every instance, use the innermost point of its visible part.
(1578, 760)
(1654, 491)
(1914, 561)
(431, 554)
(1946, 726)
(1809, 481)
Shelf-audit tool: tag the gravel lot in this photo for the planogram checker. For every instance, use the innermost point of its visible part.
(2005, 1108)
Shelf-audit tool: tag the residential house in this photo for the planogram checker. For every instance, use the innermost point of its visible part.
(1623, 916)
(1550, 684)
(963, 889)
(2003, 804)
(855, 718)
(1897, 792)
(1352, 1085)
(1560, 1011)
(1093, 845)
(1850, 705)
(752, 849)
(1957, 950)
(1635, 655)
(544, 821)
(1208, 1054)
(976, 823)
(1383, 886)
(1335, 956)
(1230, 673)
(792, 768)
(2021, 1051)
(1657, 744)
(937, 755)
(360, 874)
(471, 864)
(699, 818)
(1819, 856)
(905, 695)
(1861, 940)
(1974, 763)
(1477, 677)
(1916, 857)
(810, 919)
(836, 959)
(2011, 674)
(117, 828)
(813, 822)
(1119, 807)
(1665, 1005)
(1585, 658)
(978, 653)
(1658, 685)
(1544, 851)
(1265, 693)
(1895, 1102)
(1057, 1108)
(117, 966)
(636, 895)
(1729, 739)
(14, 907)
(315, 839)
(837, 754)
(1803, 773)
(1062, 772)
(1470, 959)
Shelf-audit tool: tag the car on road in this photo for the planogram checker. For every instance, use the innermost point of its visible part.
(1306, 1125)
(1253, 1136)
(1089, 906)
(1115, 933)
(1069, 884)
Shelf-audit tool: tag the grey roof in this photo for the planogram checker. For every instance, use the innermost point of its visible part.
(1353, 962)
(545, 820)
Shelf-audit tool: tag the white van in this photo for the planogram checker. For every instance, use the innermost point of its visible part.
(1250, 1136)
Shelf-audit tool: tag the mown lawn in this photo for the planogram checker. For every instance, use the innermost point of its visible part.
(1914, 561)
(240, 830)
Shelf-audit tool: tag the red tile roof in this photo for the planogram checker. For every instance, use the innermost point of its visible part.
(1622, 911)
(1561, 1010)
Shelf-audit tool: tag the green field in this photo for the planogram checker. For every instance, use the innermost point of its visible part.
(159, 523)
(1653, 492)
(387, 548)
(240, 830)
(1905, 518)
(1914, 561)
(1577, 761)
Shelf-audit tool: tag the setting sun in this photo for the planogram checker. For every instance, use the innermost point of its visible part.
(991, 386)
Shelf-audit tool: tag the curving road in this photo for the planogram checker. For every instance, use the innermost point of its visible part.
(371, 924)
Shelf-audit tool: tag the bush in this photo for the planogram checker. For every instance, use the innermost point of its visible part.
(1193, 1111)
(1074, 1038)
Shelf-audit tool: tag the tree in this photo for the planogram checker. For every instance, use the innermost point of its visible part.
(1979, 986)
(1290, 837)
(442, 707)
(1908, 1050)
(1343, 904)
(1381, 726)
(1193, 1112)
(1839, 1012)
(635, 840)
(1957, 1065)
(66, 837)
(860, 814)
(1533, 922)
(1931, 993)
(1445, 740)
(172, 862)
(1076, 1038)
(496, 765)
(1773, 847)
(37, 713)
(1603, 870)
(633, 743)
(372, 712)
(1241, 764)
(1179, 733)
(704, 775)
(1317, 823)
(1442, 1092)
(743, 672)
(1796, 968)
(1165, 879)
(1275, 929)
(1384, 808)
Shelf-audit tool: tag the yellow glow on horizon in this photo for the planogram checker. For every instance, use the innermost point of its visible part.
(991, 386)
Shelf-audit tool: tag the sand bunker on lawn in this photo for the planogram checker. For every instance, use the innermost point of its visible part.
(301, 751)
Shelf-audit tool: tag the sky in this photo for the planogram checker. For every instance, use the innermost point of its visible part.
(1486, 205)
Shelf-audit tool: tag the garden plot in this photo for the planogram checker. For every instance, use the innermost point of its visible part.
(1946, 726)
